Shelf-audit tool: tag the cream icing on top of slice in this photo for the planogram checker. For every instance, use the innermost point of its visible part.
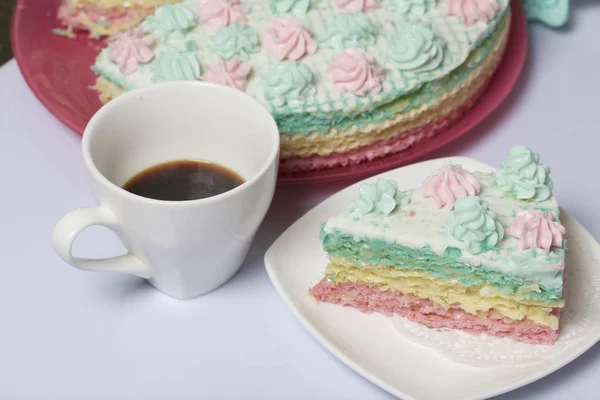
(422, 223)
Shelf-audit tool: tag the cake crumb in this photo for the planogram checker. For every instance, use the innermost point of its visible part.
(64, 32)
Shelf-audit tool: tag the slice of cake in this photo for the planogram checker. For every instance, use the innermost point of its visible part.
(104, 17)
(347, 81)
(474, 251)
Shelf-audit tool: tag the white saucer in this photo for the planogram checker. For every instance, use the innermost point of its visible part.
(418, 363)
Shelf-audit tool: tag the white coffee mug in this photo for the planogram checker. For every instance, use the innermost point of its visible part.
(184, 248)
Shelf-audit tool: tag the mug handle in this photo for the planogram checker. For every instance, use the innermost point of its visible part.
(69, 226)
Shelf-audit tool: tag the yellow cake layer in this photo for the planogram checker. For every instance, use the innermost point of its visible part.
(477, 300)
(462, 95)
(107, 90)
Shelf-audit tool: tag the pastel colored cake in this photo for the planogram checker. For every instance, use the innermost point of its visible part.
(479, 252)
(346, 80)
(104, 17)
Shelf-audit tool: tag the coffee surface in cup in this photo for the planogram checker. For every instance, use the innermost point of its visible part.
(183, 180)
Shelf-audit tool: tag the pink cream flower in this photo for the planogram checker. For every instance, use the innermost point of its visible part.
(219, 13)
(353, 71)
(228, 72)
(352, 6)
(450, 183)
(537, 229)
(131, 48)
(472, 11)
(287, 37)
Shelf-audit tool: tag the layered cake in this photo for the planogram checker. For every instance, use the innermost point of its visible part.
(479, 252)
(104, 17)
(346, 80)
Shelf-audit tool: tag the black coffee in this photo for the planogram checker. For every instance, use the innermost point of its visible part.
(183, 180)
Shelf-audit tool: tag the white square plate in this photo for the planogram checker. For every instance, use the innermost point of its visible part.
(405, 364)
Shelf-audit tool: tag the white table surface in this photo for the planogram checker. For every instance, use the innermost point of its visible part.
(68, 334)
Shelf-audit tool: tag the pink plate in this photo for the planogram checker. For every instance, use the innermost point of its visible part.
(56, 69)
(58, 72)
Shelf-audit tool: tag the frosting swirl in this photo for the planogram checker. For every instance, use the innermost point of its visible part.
(349, 30)
(474, 225)
(230, 73)
(415, 47)
(537, 229)
(235, 40)
(471, 11)
(289, 83)
(380, 198)
(175, 66)
(523, 175)
(219, 13)
(353, 71)
(448, 184)
(414, 7)
(171, 20)
(287, 37)
(131, 48)
(290, 6)
(352, 6)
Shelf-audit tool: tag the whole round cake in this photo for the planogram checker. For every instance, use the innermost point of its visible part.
(346, 80)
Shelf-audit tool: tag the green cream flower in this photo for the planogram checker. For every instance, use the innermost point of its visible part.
(380, 198)
(414, 47)
(236, 40)
(414, 7)
(474, 225)
(349, 31)
(290, 6)
(552, 12)
(523, 175)
(289, 84)
(171, 20)
(175, 66)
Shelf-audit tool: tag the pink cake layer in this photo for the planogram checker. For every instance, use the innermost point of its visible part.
(424, 311)
(378, 149)
(72, 16)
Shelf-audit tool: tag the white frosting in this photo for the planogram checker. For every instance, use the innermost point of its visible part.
(459, 41)
(421, 223)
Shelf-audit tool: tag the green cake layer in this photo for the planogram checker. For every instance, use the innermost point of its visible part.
(362, 252)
